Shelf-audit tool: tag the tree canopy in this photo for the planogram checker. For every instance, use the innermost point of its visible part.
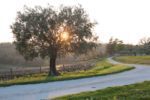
(49, 32)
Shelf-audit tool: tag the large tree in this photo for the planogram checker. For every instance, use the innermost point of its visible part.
(47, 32)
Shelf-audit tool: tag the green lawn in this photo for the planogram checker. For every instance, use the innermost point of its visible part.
(139, 91)
(134, 59)
(102, 67)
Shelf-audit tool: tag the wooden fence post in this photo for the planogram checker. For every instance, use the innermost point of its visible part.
(40, 70)
(11, 73)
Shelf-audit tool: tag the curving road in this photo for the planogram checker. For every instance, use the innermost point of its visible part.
(45, 91)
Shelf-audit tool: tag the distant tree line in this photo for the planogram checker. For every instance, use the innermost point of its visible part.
(144, 46)
(116, 46)
(10, 56)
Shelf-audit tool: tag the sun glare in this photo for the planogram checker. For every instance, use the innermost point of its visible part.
(65, 36)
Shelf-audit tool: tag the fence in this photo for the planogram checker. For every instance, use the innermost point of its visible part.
(12, 73)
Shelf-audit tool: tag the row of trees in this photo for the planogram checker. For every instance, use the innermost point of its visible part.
(144, 46)
(116, 46)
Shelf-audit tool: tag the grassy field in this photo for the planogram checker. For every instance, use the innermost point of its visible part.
(102, 67)
(139, 91)
(134, 59)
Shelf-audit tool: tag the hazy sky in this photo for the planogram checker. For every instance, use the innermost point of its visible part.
(128, 20)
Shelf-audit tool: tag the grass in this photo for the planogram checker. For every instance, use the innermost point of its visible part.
(139, 91)
(134, 59)
(102, 67)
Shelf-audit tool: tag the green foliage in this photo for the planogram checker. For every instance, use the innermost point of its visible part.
(102, 68)
(130, 49)
(38, 30)
(140, 91)
(145, 46)
(114, 46)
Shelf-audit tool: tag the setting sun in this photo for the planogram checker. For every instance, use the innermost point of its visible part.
(65, 36)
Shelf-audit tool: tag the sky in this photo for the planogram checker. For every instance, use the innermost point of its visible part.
(127, 20)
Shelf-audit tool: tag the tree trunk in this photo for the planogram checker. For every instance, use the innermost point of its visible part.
(53, 71)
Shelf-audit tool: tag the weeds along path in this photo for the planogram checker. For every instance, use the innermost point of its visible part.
(53, 89)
